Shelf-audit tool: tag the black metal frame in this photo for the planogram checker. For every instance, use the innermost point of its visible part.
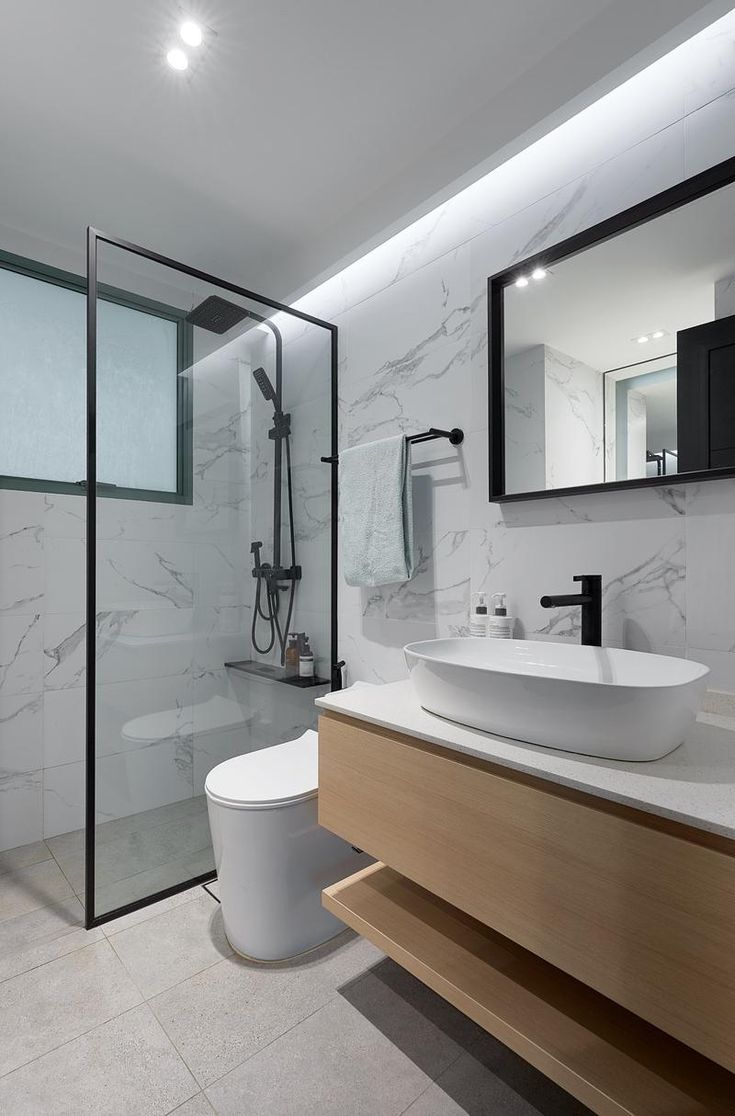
(94, 238)
(698, 186)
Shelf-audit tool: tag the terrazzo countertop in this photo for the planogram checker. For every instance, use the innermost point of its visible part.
(694, 784)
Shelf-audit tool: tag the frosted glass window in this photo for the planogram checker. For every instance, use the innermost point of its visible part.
(43, 388)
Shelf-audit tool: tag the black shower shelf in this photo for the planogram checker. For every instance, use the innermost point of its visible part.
(276, 674)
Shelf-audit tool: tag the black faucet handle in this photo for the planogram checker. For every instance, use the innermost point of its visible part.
(595, 578)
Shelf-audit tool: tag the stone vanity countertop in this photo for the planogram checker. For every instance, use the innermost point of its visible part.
(695, 784)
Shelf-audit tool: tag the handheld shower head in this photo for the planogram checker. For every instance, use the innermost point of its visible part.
(268, 391)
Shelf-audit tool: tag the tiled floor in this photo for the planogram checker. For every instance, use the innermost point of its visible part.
(141, 854)
(153, 1014)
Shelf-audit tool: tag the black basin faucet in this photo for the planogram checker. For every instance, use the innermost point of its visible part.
(591, 601)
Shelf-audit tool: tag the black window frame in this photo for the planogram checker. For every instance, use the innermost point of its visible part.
(44, 273)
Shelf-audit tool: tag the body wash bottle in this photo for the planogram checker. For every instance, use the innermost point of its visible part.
(499, 624)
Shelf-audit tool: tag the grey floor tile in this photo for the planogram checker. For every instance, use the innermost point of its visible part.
(42, 935)
(335, 1062)
(26, 889)
(23, 856)
(111, 896)
(341, 960)
(123, 1067)
(427, 1029)
(197, 1106)
(54, 1003)
(144, 913)
(233, 1009)
(495, 1082)
(174, 945)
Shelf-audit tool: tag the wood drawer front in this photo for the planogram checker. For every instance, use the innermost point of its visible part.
(645, 916)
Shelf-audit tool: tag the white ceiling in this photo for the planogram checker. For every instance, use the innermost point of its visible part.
(306, 130)
(659, 276)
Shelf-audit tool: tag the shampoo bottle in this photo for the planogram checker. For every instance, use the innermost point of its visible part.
(478, 616)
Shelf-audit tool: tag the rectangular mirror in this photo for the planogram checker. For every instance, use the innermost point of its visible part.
(612, 354)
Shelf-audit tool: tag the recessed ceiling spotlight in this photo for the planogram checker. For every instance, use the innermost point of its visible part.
(177, 59)
(642, 340)
(191, 33)
(538, 273)
(657, 335)
(521, 281)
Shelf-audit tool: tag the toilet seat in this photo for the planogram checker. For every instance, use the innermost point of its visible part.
(281, 775)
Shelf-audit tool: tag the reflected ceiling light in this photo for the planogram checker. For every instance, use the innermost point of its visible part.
(177, 59)
(521, 281)
(657, 335)
(642, 340)
(191, 33)
(538, 273)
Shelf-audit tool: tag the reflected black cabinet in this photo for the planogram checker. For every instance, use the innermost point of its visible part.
(705, 367)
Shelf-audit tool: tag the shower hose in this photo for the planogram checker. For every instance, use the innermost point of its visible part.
(268, 610)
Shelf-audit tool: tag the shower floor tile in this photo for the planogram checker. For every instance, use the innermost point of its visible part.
(141, 854)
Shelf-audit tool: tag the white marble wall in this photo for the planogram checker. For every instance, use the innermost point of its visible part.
(412, 318)
(574, 425)
(554, 433)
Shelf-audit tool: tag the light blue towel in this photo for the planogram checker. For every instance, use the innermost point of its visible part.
(376, 512)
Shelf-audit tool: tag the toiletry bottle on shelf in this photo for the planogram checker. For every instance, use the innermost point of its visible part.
(499, 624)
(292, 655)
(478, 616)
(306, 661)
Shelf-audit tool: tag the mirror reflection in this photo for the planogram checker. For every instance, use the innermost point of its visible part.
(619, 361)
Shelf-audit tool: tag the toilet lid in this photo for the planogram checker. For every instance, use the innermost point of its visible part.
(275, 776)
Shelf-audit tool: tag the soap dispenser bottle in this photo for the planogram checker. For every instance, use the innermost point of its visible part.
(499, 624)
(478, 616)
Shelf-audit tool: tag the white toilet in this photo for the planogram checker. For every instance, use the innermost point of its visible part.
(271, 856)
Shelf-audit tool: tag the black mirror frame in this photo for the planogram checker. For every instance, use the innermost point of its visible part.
(698, 186)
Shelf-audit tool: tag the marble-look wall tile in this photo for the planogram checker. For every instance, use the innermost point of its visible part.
(63, 799)
(708, 134)
(710, 66)
(139, 575)
(21, 567)
(63, 726)
(643, 565)
(65, 516)
(64, 650)
(21, 732)
(65, 574)
(144, 643)
(373, 646)
(574, 421)
(21, 654)
(21, 809)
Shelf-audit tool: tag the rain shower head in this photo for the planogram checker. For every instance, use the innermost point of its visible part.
(269, 392)
(216, 314)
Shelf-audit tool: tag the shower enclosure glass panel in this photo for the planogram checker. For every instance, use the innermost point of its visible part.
(197, 578)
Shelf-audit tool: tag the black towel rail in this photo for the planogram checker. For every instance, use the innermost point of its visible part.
(455, 437)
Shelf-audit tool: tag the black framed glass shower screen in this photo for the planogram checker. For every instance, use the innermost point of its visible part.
(183, 671)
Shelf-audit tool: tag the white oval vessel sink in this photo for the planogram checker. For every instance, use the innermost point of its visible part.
(600, 701)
